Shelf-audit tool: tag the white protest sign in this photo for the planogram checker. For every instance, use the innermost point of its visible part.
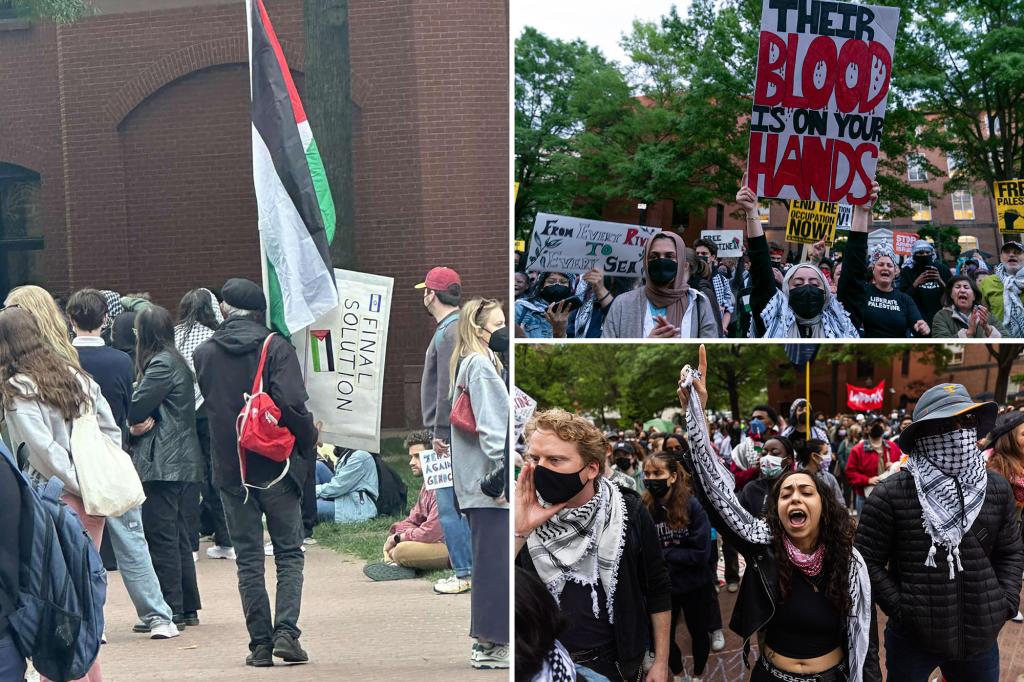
(343, 361)
(578, 245)
(729, 242)
(845, 217)
(437, 470)
(524, 407)
(823, 75)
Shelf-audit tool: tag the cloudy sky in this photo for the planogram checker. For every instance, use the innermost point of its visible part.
(598, 23)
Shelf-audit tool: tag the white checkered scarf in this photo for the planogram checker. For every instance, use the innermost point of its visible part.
(557, 666)
(1013, 308)
(949, 474)
(585, 293)
(780, 321)
(719, 486)
(584, 545)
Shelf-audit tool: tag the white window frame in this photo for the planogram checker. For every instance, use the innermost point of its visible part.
(920, 211)
(961, 214)
(915, 162)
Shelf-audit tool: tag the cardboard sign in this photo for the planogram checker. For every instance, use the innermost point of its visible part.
(823, 74)
(577, 245)
(729, 242)
(1010, 206)
(437, 470)
(903, 243)
(524, 407)
(342, 357)
(865, 399)
(811, 221)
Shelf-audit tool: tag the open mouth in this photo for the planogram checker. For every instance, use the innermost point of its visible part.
(797, 518)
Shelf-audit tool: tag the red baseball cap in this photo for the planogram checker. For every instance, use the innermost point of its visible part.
(439, 279)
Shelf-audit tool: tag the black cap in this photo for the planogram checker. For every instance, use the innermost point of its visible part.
(243, 294)
(1004, 424)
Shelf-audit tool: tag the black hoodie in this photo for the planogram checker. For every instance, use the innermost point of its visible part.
(225, 368)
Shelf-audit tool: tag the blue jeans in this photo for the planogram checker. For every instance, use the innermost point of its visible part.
(324, 508)
(12, 663)
(906, 662)
(136, 567)
(456, 533)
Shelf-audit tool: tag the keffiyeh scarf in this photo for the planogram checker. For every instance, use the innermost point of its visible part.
(557, 666)
(585, 293)
(719, 488)
(781, 322)
(879, 251)
(1013, 308)
(949, 474)
(584, 545)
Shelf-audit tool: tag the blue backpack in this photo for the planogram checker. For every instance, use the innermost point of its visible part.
(57, 620)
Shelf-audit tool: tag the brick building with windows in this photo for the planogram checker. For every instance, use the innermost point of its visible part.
(125, 158)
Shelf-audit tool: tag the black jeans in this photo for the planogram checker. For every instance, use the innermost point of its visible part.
(211, 513)
(165, 522)
(732, 563)
(309, 517)
(282, 507)
(696, 608)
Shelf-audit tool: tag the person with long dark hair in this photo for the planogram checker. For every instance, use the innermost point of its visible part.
(168, 458)
(806, 592)
(685, 535)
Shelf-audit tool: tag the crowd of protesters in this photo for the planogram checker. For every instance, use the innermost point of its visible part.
(169, 393)
(915, 513)
(771, 293)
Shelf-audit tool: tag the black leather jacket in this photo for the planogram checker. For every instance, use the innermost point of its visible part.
(170, 450)
(759, 587)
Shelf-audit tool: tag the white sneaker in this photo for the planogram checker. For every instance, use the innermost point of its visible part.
(453, 585)
(218, 552)
(1019, 618)
(733, 587)
(195, 557)
(310, 541)
(268, 549)
(164, 631)
(103, 637)
(717, 640)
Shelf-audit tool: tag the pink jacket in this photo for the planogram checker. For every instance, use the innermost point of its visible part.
(423, 523)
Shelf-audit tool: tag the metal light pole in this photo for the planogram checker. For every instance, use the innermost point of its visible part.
(643, 212)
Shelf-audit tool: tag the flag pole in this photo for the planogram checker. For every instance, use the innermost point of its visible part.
(807, 381)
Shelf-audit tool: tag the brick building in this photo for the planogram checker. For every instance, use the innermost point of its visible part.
(905, 376)
(125, 158)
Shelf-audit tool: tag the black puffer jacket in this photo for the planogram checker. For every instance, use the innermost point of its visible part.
(170, 450)
(956, 618)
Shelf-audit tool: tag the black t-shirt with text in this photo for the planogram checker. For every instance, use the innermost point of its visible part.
(888, 314)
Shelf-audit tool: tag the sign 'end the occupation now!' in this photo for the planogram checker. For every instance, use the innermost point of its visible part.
(823, 75)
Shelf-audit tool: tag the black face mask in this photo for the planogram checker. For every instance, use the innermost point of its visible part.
(623, 463)
(499, 340)
(557, 487)
(553, 293)
(806, 301)
(662, 271)
(876, 431)
(703, 258)
(923, 260)
(657, 487)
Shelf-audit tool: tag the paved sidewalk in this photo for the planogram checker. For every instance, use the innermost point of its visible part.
(352, 629)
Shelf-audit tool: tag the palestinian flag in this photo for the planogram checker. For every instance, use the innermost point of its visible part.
(296, 212)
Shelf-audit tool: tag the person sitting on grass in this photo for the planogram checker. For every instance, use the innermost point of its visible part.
(349, 494)
(417, 542)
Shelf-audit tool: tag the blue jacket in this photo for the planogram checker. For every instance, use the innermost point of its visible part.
(353, 488)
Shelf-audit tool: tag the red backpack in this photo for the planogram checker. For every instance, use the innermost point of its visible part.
(258, 427)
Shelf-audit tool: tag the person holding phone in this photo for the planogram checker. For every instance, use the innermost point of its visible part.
(924, 277)
(665, 306)
(547, 304)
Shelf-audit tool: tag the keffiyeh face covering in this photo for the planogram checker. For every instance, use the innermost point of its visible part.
(1013, 309)
(949, 474)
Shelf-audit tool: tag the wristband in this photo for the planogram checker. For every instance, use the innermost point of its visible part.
(398, 538)
(607, 294)
(521, 536)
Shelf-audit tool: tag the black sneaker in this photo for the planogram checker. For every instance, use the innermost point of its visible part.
(261, 657)
(140, 627)
(191, 618)
(387, 571)
(287, 648)
(178, 619)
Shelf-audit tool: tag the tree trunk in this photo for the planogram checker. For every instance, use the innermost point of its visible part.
(1007, 354)
(328, 85)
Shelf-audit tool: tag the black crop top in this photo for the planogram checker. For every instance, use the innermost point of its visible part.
(806, 625)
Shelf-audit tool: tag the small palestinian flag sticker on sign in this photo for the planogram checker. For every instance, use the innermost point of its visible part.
(320, 348)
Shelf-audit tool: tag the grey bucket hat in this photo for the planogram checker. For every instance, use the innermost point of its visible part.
(944, 401)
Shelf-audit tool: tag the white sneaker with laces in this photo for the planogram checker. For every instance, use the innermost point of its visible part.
(268, 549)
(717, 640)
(164, 631)
(453, 585)
(218, 552)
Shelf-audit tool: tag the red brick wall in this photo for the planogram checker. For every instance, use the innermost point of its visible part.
(140, 132)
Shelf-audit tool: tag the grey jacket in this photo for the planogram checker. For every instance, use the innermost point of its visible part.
(477, 455)
(625, 319)
(170, 450)
(46, 436)
(435, 386)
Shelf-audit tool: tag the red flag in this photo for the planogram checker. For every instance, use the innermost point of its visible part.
(865, 399)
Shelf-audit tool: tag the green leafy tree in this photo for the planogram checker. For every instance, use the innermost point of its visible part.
(945, 238)
(1005, 354)
(61, 11)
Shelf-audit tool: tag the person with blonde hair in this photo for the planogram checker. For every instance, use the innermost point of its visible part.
(479, 420)
(38, 303)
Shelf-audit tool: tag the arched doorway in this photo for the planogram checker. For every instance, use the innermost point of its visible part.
(21, 231)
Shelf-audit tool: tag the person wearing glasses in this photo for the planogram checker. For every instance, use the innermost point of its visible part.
(943, 546)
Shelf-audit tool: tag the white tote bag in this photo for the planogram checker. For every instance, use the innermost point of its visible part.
(106, 474)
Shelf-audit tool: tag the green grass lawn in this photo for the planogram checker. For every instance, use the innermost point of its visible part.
(365, 540)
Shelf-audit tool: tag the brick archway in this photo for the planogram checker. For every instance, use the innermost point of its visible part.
(21, 153)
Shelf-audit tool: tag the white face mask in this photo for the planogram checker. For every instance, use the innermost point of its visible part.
(771, 466)
(826, 462)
